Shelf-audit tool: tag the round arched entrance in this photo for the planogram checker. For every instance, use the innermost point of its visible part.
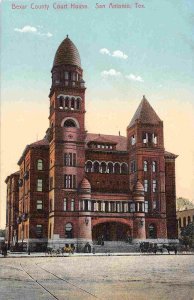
(111, 231)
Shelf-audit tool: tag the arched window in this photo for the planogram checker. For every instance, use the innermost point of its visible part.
(184, 222)
(103, 167)
(124, 168)
(154, 166)
(96, 167)
(69, 123)
(117, 168)
(152, 232)
(78, 104)
(66, 75)
(66, 102)
(61, 102)
(89, 166)
(145, 166)
(74, 76)
(72, 103)
(68, 231)
(110, 167)
(39, 165)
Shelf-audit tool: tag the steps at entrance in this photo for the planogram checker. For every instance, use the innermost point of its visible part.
(116, 247)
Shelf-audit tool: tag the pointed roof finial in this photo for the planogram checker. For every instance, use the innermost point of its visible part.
(67, 36)
(144, 97)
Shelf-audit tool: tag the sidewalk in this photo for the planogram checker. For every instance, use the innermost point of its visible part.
(42, 254)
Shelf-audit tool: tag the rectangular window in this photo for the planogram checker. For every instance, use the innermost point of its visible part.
(70, 159)
(74, 159)
(69, 181)
(132, 207)
(39, 185)
(145, 185)
(146, 206)
(154, 138)
(133, 140)
(65, 204)
(133, 166)
(154, 204)
(39, 230)
(144, 137)
(39, 205)
(154, 166)
(154, 186)
(72, 204)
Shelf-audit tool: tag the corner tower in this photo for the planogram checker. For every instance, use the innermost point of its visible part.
(67, 142)
(147, 164)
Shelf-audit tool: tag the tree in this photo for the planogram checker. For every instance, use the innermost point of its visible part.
(187, 235)
(183, 203)
(2, 232)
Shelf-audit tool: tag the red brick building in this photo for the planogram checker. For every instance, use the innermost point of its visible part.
(77, 187)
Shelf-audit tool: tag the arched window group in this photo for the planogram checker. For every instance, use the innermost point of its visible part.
(153, 166)
(69, 102)
(106, 167)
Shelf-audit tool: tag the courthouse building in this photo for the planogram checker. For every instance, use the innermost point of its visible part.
(76, 187)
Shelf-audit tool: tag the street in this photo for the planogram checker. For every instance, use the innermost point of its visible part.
(97, 277)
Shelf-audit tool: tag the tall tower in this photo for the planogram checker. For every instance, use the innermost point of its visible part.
(67, 142)
(146, 149)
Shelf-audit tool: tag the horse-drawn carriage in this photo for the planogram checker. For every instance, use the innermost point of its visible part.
(147, 247)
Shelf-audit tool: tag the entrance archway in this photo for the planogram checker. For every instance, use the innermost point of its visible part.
(111, 231)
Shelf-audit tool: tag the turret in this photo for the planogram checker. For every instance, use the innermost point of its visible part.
(139, 212)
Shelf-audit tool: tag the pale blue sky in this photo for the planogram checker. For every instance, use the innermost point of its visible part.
(158, 40)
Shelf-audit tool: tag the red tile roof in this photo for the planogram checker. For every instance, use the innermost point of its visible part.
(44, 142)
(145, 114)
(67, 54)
(169, 154)
(120, 141)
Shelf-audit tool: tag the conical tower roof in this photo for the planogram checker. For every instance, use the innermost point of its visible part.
(145, 114)
(67, 54)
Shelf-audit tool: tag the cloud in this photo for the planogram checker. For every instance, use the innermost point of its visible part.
(119, 54)
(31, 29)
(105, 51)
(26, 28)
(116, 53)
(134, 78)
(111, 72)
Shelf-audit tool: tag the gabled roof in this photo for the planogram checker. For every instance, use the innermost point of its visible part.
(120, 141)
(145, 114)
